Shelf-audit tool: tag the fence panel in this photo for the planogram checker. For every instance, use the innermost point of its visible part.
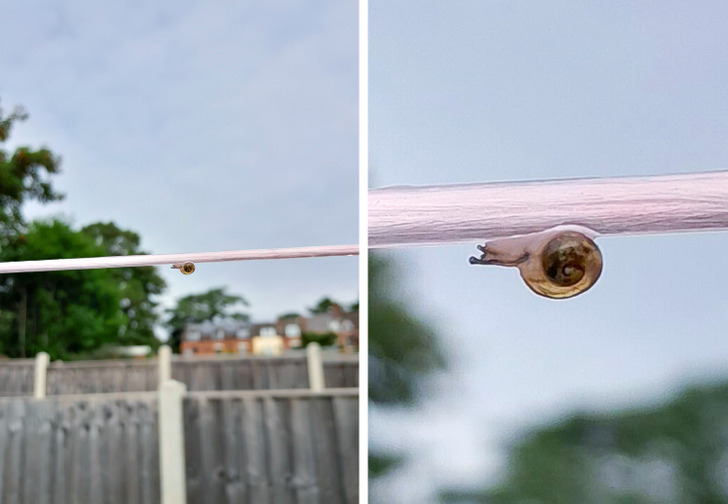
(75, 449)
(291, 446)
(101, 377)
(272, 447)
(255, 373)
(16, 377)
(199, 374)
(341, 373)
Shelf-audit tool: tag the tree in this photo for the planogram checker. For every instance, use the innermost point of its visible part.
(24, 175)
(323, 339)
(139, 286)
(402, 350)
(675, 452)
(64, 312)
(213, 305)
(323, 306)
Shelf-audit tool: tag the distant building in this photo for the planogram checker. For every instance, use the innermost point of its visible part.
(344, 324)
(229, 336)
(267, 341)
(270, 338)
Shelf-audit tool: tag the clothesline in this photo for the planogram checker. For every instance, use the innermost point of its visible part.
(473, 212)
(176, 260)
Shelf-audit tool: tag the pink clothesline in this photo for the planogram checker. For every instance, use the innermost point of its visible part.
(473, 212)
(176, 259)
(401, 216)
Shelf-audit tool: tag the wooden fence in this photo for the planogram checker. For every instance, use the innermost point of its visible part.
(16, 377)
(78, 449)
(295, 447)
(198, 374)
(256, 447)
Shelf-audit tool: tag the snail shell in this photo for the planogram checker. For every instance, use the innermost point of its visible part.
(559, 263)
(186, 269)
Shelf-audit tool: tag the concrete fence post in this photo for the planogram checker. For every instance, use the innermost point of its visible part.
(39, 382)
(171, 442)
(315, 367)
(164, 363)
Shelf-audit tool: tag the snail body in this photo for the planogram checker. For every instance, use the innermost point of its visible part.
(559, 263)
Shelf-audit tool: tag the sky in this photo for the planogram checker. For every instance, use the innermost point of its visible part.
(489, 91)
(202, 126)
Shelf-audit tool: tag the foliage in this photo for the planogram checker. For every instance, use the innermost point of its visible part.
(138, 285)
(380, 465)
(323, 339)
(23, 176)
(288, 316)
(71, 312)
(323, 306)
(62, 312)
(402, 350)
(676, 452)
(213, 305)
(354, 307)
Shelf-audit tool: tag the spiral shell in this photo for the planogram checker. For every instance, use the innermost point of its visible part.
(556, 264)
(186, 269)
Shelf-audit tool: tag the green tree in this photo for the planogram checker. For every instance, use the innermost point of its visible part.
(323, 306)
(402, 350)
(323, 339)
(675, 452)
(62, 312)
(24, 175)
(213, 305)
(139, 286)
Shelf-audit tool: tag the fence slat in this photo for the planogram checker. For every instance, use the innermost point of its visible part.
(255, 450)
(16, 427)
(192, 432)
(279, 440)
(304, 459)
(346, 414)
(235, 490)
(328, 471)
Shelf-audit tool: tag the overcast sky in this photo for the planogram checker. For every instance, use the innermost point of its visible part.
(203, 126)
(485, 91)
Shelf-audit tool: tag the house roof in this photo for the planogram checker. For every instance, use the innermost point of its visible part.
(319, 323)
(209, 328)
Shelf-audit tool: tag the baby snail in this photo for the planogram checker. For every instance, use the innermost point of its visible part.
(558, 263)
(186, 269)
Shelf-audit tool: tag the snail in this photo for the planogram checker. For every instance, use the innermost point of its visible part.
(558, 263)
(186, 269)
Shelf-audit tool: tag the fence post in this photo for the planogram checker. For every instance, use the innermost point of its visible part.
(315, 367)
(164, 363)
(39, 383)
(171, 442)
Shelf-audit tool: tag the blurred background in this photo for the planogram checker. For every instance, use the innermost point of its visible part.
(481, 391)
(183, 127)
